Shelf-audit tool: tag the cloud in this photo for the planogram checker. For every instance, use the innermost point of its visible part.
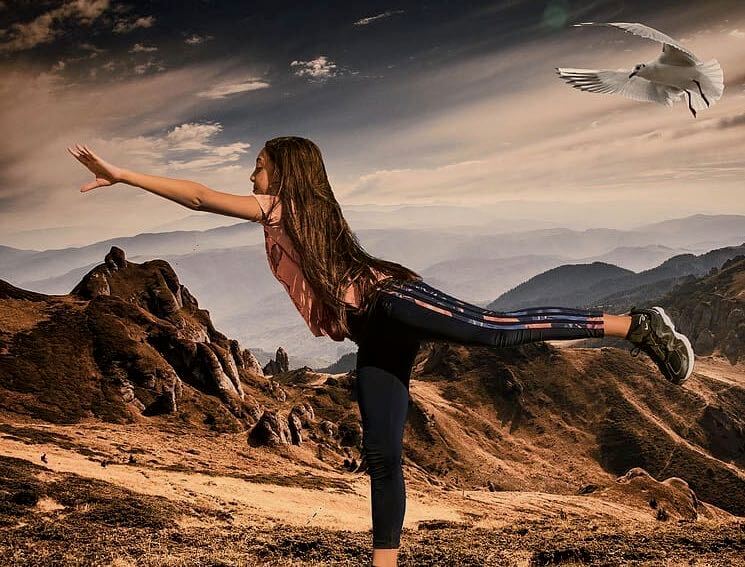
(222, 90)
(731, 121)
(421, 183)
(207, 162)
(125, 67)
(192, 135)
(144, 123)
(92, 48)
(187, 137)
(488, 127)
(149, 64)
(195, 39)
(516, 132)
(369, 20)
(46, 27)
(126, 26)
(319, 69)
(62, 64)
(139, 48)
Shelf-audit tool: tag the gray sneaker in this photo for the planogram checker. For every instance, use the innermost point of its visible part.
(653, 332)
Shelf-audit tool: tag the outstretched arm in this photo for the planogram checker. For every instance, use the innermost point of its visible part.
(241, 206)
(190, 194)
(182, 191)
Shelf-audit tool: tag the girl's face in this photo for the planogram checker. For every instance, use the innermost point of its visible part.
(263, 175)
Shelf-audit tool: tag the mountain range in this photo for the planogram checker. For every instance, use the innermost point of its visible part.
(130, 361)
(226, 267)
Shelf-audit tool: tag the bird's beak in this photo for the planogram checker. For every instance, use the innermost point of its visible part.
(632, 74)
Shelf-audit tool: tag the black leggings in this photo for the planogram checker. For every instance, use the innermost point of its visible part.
(401, 315)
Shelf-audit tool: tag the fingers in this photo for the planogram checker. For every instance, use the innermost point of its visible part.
(83, 153)
(78, 154)
(86, 156)
(90, 152)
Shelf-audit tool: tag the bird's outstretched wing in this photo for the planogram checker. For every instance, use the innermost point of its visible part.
(618, 82)
(672, 52)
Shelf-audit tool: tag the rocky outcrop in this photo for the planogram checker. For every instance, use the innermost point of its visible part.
(349, 432)
(130, 343)
(711, 310)
(276, 390)
(671, 499)
(275, 428)
(252, 409)
(300, 416)
(218, 370)
(249, 361)
(126, 341)
(272, 430)
(280, 363)
(328, 428)
(441, 359)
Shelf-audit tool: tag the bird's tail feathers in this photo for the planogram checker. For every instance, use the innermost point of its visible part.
(713, 83)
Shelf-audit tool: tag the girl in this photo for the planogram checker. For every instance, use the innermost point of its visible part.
(385, 308)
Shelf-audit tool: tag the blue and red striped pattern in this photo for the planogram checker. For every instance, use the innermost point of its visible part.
(424, 295)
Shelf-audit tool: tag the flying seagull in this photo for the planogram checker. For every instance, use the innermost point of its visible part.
(675, 71)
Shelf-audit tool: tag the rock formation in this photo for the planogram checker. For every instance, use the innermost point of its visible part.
(280, 363)
(125, 341)
(711, 310)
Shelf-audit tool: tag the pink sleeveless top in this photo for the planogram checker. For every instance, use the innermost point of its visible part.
(285, 263)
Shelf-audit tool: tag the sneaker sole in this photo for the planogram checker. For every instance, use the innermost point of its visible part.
(682, 337)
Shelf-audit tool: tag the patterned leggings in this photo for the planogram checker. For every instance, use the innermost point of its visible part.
(403, 314)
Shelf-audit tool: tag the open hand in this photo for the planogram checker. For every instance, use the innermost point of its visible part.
(106, 174)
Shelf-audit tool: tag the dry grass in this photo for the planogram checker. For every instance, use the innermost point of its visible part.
(67, 519)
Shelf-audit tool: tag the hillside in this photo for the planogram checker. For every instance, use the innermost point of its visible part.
(122, 406)
(128, 341)
(609, 287)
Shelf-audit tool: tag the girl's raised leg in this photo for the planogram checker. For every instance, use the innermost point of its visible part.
(436, 315)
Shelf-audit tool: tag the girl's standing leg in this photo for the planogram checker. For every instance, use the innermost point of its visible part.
(384, 401)
(384, 360)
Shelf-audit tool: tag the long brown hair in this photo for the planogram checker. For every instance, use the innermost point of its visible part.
(332, 257)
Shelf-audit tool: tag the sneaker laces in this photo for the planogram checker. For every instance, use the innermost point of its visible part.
(648, 342)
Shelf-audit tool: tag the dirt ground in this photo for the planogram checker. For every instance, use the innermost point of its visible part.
(138, 495)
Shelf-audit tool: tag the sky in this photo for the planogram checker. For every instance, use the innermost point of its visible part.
(410, 103)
